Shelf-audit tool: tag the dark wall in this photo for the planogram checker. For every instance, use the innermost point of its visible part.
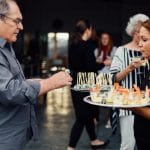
(61, 15)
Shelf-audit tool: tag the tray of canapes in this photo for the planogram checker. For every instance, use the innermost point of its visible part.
(119, 97)
(81, 88)
(86, 88)
(87, 80)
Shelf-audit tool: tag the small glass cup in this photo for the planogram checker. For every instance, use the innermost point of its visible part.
(142, 60)
(136, 58)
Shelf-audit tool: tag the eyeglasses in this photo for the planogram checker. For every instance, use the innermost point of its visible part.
(16, 21)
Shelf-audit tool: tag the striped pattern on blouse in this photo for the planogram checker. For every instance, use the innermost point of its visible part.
(121, 60)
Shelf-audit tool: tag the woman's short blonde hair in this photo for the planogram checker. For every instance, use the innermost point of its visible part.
(134, 21)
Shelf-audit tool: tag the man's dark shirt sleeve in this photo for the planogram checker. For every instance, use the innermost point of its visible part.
(12, 89)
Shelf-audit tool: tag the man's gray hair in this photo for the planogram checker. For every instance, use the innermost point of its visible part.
(4, 7)
(134, 21)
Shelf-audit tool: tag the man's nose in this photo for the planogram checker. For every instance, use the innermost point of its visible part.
(20, 26)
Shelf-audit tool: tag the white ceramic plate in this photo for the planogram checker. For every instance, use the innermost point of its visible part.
(87, 99)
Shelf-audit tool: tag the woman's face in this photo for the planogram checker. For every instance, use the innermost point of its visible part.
(89, 33)
(144, 43)
(105, 39)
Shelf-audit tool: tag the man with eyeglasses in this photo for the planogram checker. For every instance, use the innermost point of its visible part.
(16, 21)
(18, 95)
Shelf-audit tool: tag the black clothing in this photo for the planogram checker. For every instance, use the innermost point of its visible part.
(82, 59)
(142, 125)
(142, 132)
(84, 118)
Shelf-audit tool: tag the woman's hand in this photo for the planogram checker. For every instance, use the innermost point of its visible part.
(134, 64)
(107, 62)
(142, 111)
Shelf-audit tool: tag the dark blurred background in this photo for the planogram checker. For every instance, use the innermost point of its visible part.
(59, 16)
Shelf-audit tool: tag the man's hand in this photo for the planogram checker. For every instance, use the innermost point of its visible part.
(61, 79)
(58, 80)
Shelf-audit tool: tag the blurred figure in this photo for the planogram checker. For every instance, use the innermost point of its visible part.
(93, 44)
(93, 41)
(81, 59)
(105, 51)
(129, 72)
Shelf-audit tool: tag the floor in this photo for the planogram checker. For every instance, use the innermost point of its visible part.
(56, 117)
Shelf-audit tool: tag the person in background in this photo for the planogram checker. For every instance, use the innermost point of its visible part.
(92, 42)
(105, 51)
(17, 94)
(81, 59)
(129, 72)
(142, 117)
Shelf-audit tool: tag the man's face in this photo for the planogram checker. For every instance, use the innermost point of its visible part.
(11, 23)
(144, 43)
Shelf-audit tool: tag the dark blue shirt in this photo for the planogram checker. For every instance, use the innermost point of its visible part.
(17, 99)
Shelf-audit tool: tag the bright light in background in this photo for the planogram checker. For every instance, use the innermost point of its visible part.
(59, 35)
(58, 42)
(51, 35)
(62, 36)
